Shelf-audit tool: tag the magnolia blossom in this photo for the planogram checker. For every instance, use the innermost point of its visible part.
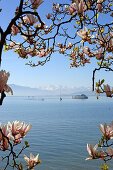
(102, 40)
(14, 127)
(24, 129)
(36, 3)
(62, 50)
(48, 16)
(33, 51)
(3, 82)
(79, 5)
(32, 161)
(29, 38)
(56, 7)
(15, 30)
(26, 2)
(99, 55)
(22, 52)
(17, 139)
(30, 19)
(13, 45)
(70, 45)
(87, 51)
(4, 141)
(99, 5)
(110, 151)
(93, 152)
(42, 53)
(110, 45)
(71, 10)
(106, 130)
(108, 91)
(84, 34)
(66, 7)
(60, 45)
(84, 61)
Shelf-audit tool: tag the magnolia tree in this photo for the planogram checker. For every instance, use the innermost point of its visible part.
(75, 29)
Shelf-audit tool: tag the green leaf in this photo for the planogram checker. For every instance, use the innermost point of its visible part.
(97, 15)
(102, 81)
(26, 142)
(104, 167)
(20, 166)
(96, 84)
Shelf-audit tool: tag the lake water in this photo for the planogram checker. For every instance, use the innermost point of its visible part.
(60, 129)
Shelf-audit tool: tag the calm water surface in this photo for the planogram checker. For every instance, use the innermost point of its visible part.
(60, 129)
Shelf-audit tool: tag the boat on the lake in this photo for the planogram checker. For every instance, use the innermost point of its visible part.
(82, 96)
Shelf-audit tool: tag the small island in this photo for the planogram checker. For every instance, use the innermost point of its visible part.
(82, 96)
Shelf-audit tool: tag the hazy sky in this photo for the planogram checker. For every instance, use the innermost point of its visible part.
(56, 72)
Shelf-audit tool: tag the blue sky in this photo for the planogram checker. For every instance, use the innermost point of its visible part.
(56, 72)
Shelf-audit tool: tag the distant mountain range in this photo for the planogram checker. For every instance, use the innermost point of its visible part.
(51, 91)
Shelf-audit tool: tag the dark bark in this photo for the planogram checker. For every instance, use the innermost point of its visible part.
(3, 95)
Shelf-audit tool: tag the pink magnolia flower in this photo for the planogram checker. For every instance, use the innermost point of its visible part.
(36, 3)
(106, 130)
(26, 2)
(62, 50)
(86, 50)
(85, 61)
(3, 82)
(33, 51)
(79, 5)
(99, 55)
(56, 7)
(32, 161)
(67, 7)
(48, 16)
(99, 5)
(24, 129)
(14, 30)
(73, 54)
(22, 52)
(17, 139)
(110, 45)
(70, 45)
(14, 127)
(71, 10)
(102, 40)
(30, 19)
(108, 91)
(111, 34)
(13, 45)
(42, 53)
(60, 45)
(110, 151)
(84, 34)
(5, 130)
(29, 39)
(93, 152)
(4, 141)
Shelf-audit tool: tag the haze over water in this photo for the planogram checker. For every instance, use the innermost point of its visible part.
(60, 129)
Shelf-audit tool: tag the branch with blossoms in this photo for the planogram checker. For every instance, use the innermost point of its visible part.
(83, 36)
(11, 135)
(105, 144)
(102, 88)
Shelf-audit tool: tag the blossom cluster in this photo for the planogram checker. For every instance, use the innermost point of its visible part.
(102, 88)
(107, 132)
(15, 132)
(11, 134)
